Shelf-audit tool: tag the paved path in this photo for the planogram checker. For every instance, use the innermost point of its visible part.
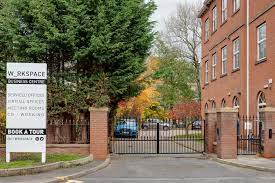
(150, 146)
(151, 169)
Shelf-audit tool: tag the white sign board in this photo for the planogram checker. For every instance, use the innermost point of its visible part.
(26, 105)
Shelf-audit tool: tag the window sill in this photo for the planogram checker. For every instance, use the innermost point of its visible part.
(206, 84)
(212, 80)
(223, 23)
(260, 61)
(235, 70)
(234, 13)
(223, 75)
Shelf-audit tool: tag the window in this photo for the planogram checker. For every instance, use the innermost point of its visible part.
(214, 19)
(214, 63)
(261, 100)
(261, 103)
(206, 107)
(261, 41)
(206, 72)
(206, 29)
(236, 54)
(236, 5)
(224, 10)
(236, 103)
(213, 104)
(224, 58)
(223, 103)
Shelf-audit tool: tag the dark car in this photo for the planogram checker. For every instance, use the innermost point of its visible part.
(126, 128)
(196, 125)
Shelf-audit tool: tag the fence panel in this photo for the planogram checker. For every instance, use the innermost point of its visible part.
(61, 131)
(249, 135)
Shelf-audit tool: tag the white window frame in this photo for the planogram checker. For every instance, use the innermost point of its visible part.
(236, 53)
(214, 64)
(263, 40)
(214, 19)
(261, 100)
(207, 29)
(206, 72)
(206, 107)
(224, 60)
(223, 105)
(224, 10)
(236, 5)
(213, 105)
(236, 103)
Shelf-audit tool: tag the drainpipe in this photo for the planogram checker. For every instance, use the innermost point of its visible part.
(247, 58)
(247, 69)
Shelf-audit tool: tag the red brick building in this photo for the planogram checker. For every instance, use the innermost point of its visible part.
(238, 55)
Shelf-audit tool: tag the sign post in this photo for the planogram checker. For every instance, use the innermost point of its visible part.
(26, 108)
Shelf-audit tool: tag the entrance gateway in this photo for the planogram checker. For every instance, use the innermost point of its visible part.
(155, 136)
(249, 136)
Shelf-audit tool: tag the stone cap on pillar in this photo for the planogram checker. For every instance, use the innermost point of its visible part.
(99, 109)
(267, 109)
(227, 110)
(211, 111)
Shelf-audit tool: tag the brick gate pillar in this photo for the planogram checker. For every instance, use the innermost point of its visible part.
(99, 133)
(267, 115)
(210, 125)
(226, 133)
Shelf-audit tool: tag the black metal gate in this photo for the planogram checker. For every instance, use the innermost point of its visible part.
(249, 136)
(155, 136)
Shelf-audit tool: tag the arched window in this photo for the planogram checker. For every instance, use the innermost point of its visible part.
(206, 107)
(236, 103)
(213, 105)
(261, 103)
(223, 105)
(261, 100)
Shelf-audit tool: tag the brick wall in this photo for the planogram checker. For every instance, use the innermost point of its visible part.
(227, 135)
(268, 117)
(211, 121)
(233, 84)
(80, 149)
(99, 132)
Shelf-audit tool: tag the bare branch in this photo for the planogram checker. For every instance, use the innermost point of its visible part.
(183, 34)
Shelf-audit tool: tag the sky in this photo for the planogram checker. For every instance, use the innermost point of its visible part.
(165, 9)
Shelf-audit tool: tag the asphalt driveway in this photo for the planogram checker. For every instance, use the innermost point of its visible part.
(162, 169)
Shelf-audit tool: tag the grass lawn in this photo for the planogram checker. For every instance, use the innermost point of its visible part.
(26, 160)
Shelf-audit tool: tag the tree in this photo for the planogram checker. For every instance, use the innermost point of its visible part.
(176, 76)
(183, 34)
(183, 110)
(136, 106)
(95, 49)
(2, 78)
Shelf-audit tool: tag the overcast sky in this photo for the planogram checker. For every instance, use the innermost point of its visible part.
(165, 9)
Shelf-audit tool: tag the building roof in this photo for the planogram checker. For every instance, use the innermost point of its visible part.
(206, 5)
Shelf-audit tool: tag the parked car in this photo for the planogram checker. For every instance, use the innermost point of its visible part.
(152, 124)
(126, 128)
(196, 125)
(181, 124)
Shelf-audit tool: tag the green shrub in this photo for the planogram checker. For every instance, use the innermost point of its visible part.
(2, 122)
